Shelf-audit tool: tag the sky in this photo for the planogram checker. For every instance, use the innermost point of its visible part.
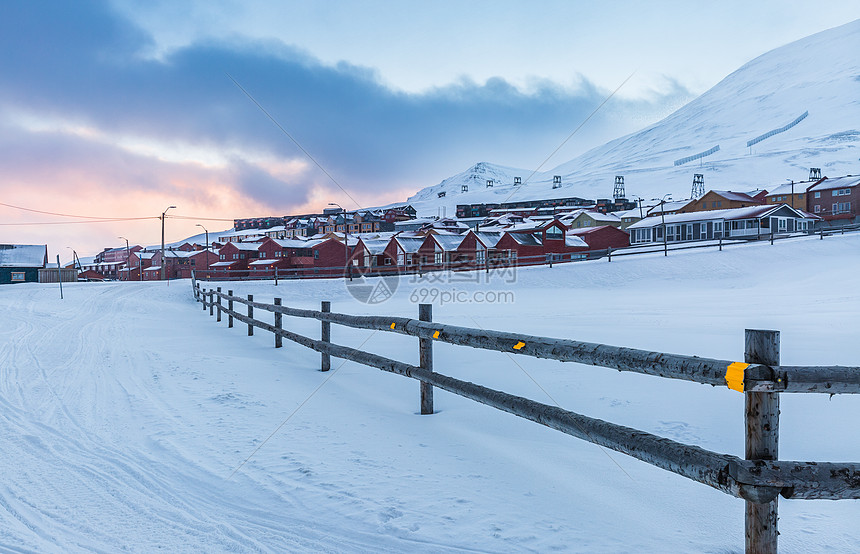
(112, 111)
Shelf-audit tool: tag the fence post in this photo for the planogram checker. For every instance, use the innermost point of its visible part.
(203, 294)
(218, 318)
(276, 276)
(250, 315)
(771, 233)
(325, 336)
(761, 417)
(279, 317)
(721, 243)
(425, 357)
(821, 231)
(211, 301)
(609, 253)
(230, 308)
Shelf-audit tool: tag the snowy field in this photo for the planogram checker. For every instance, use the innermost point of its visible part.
(126, 411)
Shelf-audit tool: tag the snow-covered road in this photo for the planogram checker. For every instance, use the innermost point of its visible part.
(125, 411)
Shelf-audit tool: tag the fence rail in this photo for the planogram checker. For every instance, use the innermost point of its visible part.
(759, 479)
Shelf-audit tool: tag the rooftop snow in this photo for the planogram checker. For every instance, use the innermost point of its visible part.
(23, 255)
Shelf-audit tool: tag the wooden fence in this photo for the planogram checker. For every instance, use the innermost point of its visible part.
(759, 479)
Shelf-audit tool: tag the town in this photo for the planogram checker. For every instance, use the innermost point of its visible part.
(339, 243)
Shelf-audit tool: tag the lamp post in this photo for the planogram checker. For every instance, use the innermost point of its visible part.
(346, 265)
(127, 260)
(207, 246)
(163, 260)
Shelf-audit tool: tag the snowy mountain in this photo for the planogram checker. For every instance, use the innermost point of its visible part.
(818, 76)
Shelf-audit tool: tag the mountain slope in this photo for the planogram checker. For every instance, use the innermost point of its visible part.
(819, 74)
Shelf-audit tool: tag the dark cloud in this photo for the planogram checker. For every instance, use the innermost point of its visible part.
(80, 60)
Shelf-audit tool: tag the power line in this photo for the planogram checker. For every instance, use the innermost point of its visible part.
(114, 220)
(65, 215)
(570, 136)
(308, 154)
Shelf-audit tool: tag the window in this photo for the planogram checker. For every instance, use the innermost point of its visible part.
(18, 276)
(800, 196)
(719, 204)
(704, 205)
(316, 254)
(842, 208)
(437, 258)
(817, 208)
(817, 195)
(554, 233)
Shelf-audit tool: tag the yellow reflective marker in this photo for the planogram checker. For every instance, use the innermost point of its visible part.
(519, 345)
(392, 325)
(436, 335)
(735, 376)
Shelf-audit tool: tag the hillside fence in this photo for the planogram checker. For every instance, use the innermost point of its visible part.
(759, 479)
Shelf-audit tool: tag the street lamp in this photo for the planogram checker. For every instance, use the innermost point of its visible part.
(163, 215)
(76, 263)
(347, 265)
(127, 260)
(207, 245)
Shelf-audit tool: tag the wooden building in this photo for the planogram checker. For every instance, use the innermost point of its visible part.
(20, 263)
(749, 222)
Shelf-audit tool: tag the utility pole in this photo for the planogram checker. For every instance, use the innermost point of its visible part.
(127, 260)
(663, 219)
(347, 265)
(163, 259)
(207, 247)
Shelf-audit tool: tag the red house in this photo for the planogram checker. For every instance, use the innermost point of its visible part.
(602, 238)
(233, 259)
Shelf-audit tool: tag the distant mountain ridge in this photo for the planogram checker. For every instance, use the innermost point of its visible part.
(818, 76)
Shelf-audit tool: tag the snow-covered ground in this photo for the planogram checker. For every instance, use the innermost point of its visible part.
(125, 411)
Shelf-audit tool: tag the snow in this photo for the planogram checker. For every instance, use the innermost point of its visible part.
(22, 255)
(838, 183)
(127, 412)
(818, 74)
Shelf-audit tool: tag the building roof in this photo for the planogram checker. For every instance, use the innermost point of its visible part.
(837, 183)
(23, 255)
(489, 238)
(249, 246)
(737, 196)
(410, 245)
(589, 230)
(375, 246)
(574, 241)
(448, 242)
(598, 216)
(668, 206)
(731, 214)
(526, 239)
(799, 188)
